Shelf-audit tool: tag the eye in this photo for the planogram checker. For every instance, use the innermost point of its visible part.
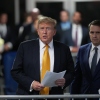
(91, 32)
(41, 28)
(48, 28)
(97, 32)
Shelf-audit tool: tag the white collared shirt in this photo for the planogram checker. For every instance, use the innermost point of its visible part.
(51, 53)
(92, 51)
(79, 35)
(3, 30)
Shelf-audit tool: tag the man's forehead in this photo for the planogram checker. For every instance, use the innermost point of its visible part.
(95, 26)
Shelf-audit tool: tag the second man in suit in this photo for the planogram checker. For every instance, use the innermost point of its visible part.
(77, 35)
(87, 69)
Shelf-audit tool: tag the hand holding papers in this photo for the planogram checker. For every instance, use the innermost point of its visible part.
(51, 77)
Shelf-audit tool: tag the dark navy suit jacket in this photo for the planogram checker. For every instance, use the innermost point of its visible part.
(59, 34)
(26, 67)
(84, 82)
(68, 40)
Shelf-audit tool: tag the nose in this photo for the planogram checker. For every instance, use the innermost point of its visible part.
(45, 31)
(95, 34)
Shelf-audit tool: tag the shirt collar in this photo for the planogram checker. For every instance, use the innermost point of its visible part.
(75, 25)
(42, 45)
(95, 46)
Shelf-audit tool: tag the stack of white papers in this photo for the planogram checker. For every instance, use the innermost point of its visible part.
(50, 78)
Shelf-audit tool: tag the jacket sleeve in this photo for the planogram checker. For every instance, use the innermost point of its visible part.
(69, 68)
(76, 84)
(17, 70)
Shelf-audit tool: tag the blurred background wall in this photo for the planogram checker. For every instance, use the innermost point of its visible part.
(16, 8)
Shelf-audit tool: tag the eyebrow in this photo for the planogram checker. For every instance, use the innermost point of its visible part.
(94, 32)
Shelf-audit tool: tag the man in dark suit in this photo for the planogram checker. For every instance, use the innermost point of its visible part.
(77, 35)
(27, 30)
(68, 39)
(28, 63)
(87, 68)
(63, 25)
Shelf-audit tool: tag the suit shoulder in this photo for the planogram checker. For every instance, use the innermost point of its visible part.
(85, 28)
(61, 44)
(85, 46)
(28, 42)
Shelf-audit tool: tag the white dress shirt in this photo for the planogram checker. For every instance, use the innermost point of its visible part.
(92, 51)
(51, 54)
(3, 30)
(77, 28)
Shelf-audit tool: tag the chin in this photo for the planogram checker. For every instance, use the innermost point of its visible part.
(96, 44)
(45, 42)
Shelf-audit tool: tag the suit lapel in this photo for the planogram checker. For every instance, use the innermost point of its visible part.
(82, 35)
(87, 67)
(36, 58)
(71, 37)
(97, 68)
(56, 57)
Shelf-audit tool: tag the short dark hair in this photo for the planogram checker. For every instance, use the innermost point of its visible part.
(95, 22)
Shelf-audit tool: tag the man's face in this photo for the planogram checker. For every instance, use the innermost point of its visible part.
(46, 31)
(3, 19)
(76, 18)
(64, 16)
(95, 34)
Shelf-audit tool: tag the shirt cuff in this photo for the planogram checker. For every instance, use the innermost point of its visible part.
(31, 89)
(71, 48)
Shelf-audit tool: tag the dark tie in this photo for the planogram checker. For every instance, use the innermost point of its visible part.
(76, 36)
(94, 61)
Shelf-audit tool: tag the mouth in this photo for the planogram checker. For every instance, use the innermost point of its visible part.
(95, 39)
(44, 37)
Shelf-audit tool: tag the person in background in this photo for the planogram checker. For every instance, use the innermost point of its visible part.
(5, 31)
(27, 29)
(8, 54)
(34, 35)
(34, 13)
(87, 68)
(35, 57)
(64, 24)
(27, 21)
(20, 29)
(77, 35)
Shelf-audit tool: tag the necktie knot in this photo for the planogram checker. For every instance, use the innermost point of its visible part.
(96, 49)
(47, 46)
